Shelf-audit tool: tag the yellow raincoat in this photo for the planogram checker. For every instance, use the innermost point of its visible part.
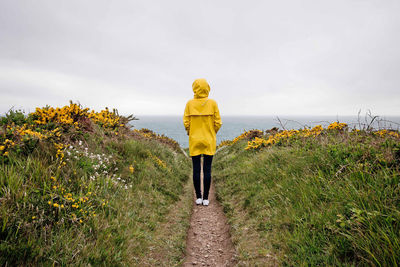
(202, 120)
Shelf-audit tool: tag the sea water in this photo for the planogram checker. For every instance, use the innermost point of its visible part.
(232, 126)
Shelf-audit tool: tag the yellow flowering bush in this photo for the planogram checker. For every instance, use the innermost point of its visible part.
(106, 119)
(385, 132)
(60, 154)
(74, 114)
(31, 133)
(260, 142)
(283, 136)
(66, 115)
(49, 123)
(315, 131)
(272, 139)
(225, 143)
(286, 135)
(73, 206)
(337, 126)
(157, 160)
(6, 146)
(245, 135)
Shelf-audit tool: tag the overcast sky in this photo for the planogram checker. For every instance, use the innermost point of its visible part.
(260, 57)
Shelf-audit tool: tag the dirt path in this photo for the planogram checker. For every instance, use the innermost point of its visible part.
(208, 241)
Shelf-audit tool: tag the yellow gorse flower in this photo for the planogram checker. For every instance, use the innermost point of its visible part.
(315, 131)
(157, 160)
(105, 118)
(385, 132)
(337, 126)
(74, 113)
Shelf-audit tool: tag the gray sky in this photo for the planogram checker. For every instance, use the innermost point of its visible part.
(260, 57)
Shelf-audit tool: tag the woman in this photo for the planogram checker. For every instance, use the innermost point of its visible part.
(202, 122)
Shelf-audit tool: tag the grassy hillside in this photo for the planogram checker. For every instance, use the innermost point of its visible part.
(312, 197)
(78, 187)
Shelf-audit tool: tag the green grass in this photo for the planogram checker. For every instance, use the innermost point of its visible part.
(122, 212)
(329, 200)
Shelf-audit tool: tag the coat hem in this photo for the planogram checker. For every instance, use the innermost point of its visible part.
(202, 154)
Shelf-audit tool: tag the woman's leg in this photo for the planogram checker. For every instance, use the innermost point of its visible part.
(207, 161)
(196, 174)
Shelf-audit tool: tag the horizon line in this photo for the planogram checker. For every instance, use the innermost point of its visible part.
(280, 115)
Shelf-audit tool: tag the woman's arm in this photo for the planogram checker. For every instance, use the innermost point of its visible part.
(186, 119)
(217, 119)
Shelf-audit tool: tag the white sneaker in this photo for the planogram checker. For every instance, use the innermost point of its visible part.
(198, 201)
(205, 202)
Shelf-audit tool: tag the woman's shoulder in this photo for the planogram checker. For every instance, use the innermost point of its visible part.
(212, 101)
(190, 101)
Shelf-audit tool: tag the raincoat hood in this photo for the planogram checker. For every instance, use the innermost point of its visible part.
(201, 88)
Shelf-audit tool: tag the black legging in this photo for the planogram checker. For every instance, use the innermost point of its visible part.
(207, 161)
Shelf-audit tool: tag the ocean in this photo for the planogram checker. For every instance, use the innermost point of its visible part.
(232, 126)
